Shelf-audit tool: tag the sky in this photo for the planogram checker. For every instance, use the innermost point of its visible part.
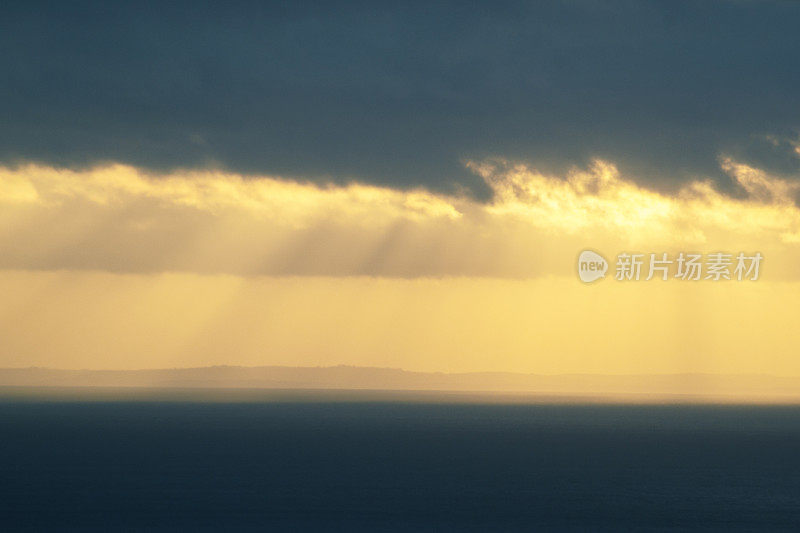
(403, 186)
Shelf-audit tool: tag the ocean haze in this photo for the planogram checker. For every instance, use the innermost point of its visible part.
(635, 388)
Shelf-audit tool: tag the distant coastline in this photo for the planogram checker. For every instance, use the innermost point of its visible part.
(667, 387)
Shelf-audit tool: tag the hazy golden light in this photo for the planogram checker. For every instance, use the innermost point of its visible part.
(114, 268)
(551, 325)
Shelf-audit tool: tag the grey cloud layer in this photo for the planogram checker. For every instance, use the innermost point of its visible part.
(402, 95)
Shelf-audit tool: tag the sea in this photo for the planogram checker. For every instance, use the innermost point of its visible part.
(167, 460)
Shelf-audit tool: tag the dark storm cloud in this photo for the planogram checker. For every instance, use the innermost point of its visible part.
(402, 94)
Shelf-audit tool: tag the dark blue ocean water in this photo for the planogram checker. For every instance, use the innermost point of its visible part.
(395, 466)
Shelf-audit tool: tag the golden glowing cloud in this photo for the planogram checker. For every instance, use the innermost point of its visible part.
(120, 219)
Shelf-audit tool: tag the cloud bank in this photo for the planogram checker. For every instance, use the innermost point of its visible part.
(400, 95)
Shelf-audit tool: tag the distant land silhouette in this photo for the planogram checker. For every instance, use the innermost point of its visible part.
(750, 387)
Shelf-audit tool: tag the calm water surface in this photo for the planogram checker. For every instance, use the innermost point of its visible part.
(394, 465)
